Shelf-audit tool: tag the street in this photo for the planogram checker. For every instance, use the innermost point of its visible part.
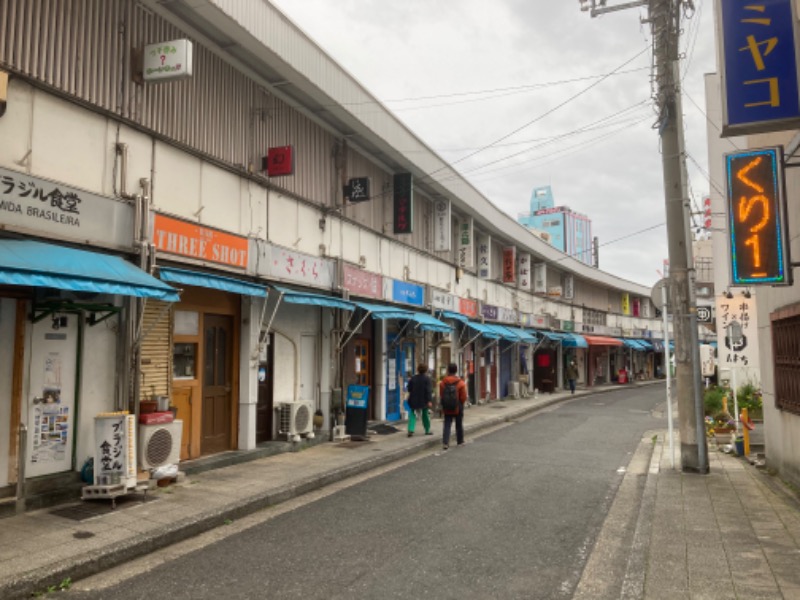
(512, 514)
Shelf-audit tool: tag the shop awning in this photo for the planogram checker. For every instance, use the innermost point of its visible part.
(484, 330)
(424, 321)
(647, 346)
(214, 282)
(526, 337)
(37, 264)
(568, 340)
(633, 344)
(312, 299)
(504, 332)
(449, 314)
(601, 340)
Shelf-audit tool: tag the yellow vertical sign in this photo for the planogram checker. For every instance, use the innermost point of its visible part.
(626, 304)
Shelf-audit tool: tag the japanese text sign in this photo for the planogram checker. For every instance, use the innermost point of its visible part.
(734, 315)
(468, 307)
(362, 283)
(302, 268)
(279, 161)
(357, 189)
(195, 241)
(402, 291)
(484, 257)
(466, 235)
(510, 264)
(760, 66)
(441, 225)
(167, 61)
(757, 218)
(403, 203)
(525, 271)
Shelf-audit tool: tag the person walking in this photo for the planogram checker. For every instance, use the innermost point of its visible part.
(453, 397)
(420, 398)
(572, 375)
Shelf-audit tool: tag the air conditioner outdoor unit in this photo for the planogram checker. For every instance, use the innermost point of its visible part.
(160, 445)
(295, 419)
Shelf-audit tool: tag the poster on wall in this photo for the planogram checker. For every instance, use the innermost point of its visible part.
(51, 420)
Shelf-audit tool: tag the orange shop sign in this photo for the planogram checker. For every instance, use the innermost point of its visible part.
(195, 241)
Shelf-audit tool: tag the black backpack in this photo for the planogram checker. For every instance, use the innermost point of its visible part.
(450, 397)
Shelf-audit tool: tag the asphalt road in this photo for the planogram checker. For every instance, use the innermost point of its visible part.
(511, 514)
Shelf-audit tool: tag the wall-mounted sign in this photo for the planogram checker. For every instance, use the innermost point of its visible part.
(357, 190)
(509, 264)
(441, 226)
(167, 61)
(757, 218)
(466, 240)
(468, 307)
(287, 265)
(569, 287)
(489, 312)
(507, 315)
(278, 161)
(759, 66)
(174, 236)
(484, 256)
(362, 283)
(402, 291)
(540, 278)
(442, 300)
(555, 291)
(403, 189)
(525, 271)
(626, 303)
(53, 210)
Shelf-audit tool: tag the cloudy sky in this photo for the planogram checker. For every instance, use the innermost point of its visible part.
(518, 94)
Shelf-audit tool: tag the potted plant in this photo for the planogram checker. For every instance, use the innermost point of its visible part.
(749, 396)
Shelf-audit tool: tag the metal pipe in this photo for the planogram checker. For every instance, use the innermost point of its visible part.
(22, 459)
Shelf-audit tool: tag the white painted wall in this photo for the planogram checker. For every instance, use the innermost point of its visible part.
(7, 316)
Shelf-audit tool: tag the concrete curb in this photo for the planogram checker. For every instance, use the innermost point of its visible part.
(115, 554)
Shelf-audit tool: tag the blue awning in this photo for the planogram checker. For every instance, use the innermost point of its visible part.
(526, 337)
(633, 344)
(504, 332)
(311, 299)
(646, 345)
(214, 282)
(484, 330)
(36, 264)
(573, 340)
(449, 314)
(424, 321)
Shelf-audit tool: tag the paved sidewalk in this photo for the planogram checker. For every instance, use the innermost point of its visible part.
(735, 530)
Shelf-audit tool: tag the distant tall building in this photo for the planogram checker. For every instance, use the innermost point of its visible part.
(569, 231)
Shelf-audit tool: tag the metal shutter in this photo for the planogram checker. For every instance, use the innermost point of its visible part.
(156, 349)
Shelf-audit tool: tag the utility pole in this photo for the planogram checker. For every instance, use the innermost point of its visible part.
(664, 19)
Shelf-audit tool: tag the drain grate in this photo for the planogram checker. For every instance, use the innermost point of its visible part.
(96, 508)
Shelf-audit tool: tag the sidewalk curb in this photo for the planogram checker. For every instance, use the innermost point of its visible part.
(113, 555)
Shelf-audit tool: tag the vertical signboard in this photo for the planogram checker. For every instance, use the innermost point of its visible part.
(626, 303)
(509, 264)
(569, 287)
(403, 203)
(759, 66)
(484, 256)
(540, 278)
(441, 226)
(737, 328)
(757, 218)
(466, 250)
(525, 271)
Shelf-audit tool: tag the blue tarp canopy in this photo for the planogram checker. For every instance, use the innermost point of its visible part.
(311, 299)
(504, 332)
(424, 321)
(36, 264)
(484, 330)
(646, 345)
(568, 340)
(634, 344)
(214, 282)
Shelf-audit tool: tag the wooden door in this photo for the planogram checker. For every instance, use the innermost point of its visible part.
(264, 406)
(217, 384)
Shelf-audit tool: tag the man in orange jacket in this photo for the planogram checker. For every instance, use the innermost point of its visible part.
(453, 397)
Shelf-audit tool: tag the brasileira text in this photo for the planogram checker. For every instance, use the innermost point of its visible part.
(53, 205)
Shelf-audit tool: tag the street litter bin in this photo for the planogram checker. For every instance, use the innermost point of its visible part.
(739, 443)
(355, 410)
(622, 376)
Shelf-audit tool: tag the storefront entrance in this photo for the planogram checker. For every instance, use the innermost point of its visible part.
(217, 383)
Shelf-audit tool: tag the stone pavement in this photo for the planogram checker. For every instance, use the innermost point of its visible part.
(733, 533)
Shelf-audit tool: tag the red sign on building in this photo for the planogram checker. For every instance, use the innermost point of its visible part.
(279, 161)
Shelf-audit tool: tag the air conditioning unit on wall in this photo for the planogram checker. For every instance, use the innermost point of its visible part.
(294, 420)
(160, 445)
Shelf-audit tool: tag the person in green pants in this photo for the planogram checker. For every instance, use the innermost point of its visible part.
(420, 398)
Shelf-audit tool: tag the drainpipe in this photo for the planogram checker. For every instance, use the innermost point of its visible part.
(22, 459)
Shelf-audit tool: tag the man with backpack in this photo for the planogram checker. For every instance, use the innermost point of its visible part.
(452, 397)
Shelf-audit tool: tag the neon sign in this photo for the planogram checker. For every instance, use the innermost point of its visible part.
(757, 218)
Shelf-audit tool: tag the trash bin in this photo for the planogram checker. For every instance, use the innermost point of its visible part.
(739, 443)
(355, 411)
(622, 376)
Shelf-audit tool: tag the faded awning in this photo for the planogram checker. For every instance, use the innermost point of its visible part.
(214, 282)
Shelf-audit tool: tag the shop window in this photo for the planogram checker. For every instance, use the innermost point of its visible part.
(184, 361)
(786, 348)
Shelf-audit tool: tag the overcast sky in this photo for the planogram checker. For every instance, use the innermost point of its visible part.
(518, 94)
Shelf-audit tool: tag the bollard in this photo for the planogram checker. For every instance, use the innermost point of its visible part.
(21, 460)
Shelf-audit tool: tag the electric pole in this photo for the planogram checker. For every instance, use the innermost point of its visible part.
(664, 19)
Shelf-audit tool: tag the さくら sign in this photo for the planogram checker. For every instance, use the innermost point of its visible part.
(757, 218)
